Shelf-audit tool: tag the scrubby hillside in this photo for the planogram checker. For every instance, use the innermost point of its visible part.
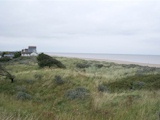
(85, 90)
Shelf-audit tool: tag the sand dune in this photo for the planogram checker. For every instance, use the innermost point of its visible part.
(125, 62)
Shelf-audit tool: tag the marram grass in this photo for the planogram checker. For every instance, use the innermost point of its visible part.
(131, 91)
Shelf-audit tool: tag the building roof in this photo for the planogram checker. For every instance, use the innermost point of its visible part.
(31, 49)
(31, 46)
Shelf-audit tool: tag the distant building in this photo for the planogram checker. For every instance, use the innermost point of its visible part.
(10, 55)
(31, 51)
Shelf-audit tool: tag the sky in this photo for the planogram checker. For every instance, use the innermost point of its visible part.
(81, 26)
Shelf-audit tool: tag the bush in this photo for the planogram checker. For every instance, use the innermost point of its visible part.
(17, 54)
(99, 65)
(130, 66)
(58, 80)
(139, 72)
(45, 60)
(29, 81)
(20, 88)
(138, 84)
(5, 59)
(82, 65)
(77, 93)
(23, 96)
(149, 69)
(102, 88)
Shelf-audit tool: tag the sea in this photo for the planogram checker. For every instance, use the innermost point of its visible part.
(147, 59)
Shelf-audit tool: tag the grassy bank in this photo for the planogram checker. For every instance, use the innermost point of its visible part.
(84, 90)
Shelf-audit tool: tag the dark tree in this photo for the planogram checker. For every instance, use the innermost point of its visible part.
(17, 54)
(3, 53)
(46, 60)
(5, 73)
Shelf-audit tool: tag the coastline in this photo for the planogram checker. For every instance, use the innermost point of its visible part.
(114, 61)
(123, 62)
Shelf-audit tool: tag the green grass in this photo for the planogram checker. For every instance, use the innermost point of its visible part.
(131, 91)
(147, 82)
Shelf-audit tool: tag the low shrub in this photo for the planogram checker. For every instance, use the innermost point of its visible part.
(82, 65)
(146, 69)
(139, 72)
(58, 80)
(99, 65)
(149, 69)
(29, 81)
(77, 93)
(138, 84)
(130, 66)
(20, 88)
(23, 96)
(5, 59)
(102, 88)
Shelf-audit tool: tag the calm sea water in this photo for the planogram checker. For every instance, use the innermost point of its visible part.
(150, 59)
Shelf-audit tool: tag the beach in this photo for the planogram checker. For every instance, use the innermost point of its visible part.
(125, 62)
(142, 60)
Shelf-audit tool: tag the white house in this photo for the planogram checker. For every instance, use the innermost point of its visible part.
(33, 54)
(31, 51)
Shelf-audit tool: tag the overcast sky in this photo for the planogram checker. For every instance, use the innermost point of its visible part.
(120, 27)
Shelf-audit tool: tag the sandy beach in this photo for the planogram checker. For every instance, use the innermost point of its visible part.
(124, 62)
(115, 61)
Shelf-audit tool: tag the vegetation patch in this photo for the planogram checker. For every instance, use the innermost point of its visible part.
(77, 93)
(82, 65)
(147, 82)
(99, 65)
(46, 60)
(17, 54)
(29, 81)
(23, 96)
(38, 76)
(102, 88)
(108, 91)
(58, 80)
(20, 88)
(130, 66)
(5, 59)
(5, 73)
